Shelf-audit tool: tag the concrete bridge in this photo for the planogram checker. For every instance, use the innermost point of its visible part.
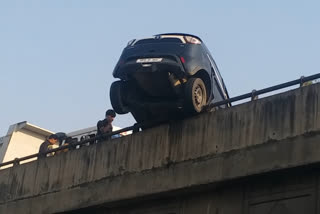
(260, 157)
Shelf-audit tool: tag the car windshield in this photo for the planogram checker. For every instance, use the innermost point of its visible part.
(156, 41)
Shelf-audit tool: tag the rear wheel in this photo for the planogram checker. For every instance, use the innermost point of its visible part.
(195, 95)
(116, 97)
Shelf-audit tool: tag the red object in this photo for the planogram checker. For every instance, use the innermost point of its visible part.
(182, 59)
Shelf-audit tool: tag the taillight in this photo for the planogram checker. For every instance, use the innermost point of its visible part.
(182, 59)
(192, 40)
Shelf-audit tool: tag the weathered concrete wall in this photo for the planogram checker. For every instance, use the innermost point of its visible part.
(284, 192)
(273, 133)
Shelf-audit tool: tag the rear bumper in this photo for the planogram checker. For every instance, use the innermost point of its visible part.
(157, 79)
(169, 63)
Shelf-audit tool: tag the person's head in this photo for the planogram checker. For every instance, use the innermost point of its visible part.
(53, 139)
(61, 137)
(110, 115)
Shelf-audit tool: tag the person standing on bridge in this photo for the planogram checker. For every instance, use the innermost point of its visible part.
(48, 145)
(105, 126)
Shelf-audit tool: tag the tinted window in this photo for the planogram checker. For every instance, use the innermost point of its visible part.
(156, 41)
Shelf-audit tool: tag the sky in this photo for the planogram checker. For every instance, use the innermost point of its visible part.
(57, 57)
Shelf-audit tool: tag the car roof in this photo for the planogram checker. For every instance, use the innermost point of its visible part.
(179, 34)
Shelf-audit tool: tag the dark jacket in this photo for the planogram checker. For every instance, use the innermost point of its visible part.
(44, 147)
(103, 127)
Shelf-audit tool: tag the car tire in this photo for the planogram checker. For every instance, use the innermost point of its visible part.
(195, 95)
(116, 97)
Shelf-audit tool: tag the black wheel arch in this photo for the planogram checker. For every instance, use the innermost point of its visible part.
(204, 76)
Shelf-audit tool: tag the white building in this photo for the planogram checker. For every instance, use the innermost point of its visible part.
(22, 139)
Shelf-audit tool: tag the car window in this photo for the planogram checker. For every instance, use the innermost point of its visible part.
(156, 41)
(216, 72)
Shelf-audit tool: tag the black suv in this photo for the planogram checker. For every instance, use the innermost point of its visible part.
(164, 76)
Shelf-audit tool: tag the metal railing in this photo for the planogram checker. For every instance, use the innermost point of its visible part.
(136, 127)
(17, 161)
(267, 90)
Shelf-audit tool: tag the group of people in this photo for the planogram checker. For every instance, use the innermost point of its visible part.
(104, 129)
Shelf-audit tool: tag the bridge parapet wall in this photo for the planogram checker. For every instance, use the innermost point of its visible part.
(135, 165)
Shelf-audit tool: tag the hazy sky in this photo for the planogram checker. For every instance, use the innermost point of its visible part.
(57, 57)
